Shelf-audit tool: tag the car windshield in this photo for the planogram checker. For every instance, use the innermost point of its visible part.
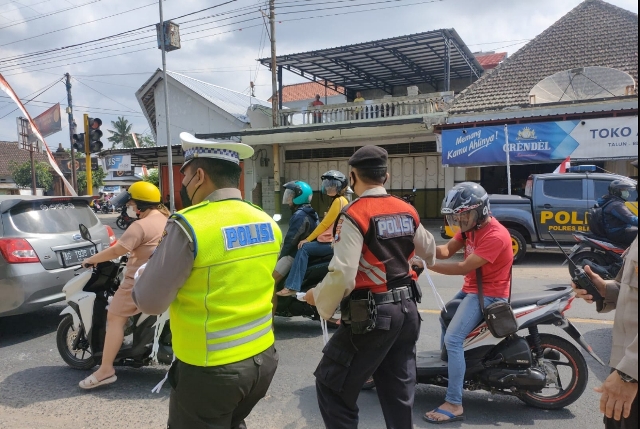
(50, 217)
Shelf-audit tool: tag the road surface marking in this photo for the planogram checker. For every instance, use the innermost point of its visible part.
(577, 320)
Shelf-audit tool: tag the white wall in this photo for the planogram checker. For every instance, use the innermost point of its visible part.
(189, 112)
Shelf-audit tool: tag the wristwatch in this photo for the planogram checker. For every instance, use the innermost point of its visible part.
(626, 378)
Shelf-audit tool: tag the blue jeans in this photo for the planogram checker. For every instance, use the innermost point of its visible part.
(299, 267)
(467, 317)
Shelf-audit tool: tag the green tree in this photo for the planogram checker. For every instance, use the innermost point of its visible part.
(121, 134)
(145, 140)
(153, 177)
(21, 174)
(97, 177)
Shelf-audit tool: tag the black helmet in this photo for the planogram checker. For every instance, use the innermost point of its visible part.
(333, 179)
(618, 186)
(467, 197)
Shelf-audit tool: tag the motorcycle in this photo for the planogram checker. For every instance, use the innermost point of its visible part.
(290, 306)
(602, 255)
(124, 220)
(81, 333)
(410, 198)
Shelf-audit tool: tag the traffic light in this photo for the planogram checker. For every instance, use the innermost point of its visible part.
(78, 142)
(95, 145)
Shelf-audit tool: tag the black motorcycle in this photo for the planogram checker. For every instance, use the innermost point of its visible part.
(124, 220)
(601, 254)
(289, 306)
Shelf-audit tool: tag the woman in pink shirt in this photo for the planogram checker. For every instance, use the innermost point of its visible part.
(139, 240)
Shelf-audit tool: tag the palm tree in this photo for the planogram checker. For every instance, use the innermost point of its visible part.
(122, 133)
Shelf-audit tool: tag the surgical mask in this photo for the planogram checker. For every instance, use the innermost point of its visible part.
(184, 194)
(132, 212)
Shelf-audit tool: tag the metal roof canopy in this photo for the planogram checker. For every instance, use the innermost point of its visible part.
(432, 57)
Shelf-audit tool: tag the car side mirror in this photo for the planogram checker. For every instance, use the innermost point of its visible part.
(84, 232)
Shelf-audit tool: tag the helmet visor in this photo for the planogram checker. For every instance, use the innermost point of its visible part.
(331, 186)
(465, 221)
(121, 199)
(288, 196)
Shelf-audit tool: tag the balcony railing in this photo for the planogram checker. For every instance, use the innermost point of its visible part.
(368, 110)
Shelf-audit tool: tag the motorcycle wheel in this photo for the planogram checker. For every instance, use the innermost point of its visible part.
(120, 223)
(587, 256)
(66, 335)
(570, 365)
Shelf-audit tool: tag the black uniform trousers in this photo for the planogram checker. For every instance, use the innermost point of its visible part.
(219, 397)
(388, 352)
(630, 422)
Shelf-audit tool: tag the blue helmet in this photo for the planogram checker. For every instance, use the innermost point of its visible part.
(297, 192)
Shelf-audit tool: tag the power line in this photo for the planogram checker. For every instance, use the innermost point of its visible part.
(82, 23)
(48, 14)
(39, 94)
(105, 96)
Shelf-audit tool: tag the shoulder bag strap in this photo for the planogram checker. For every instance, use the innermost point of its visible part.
(480, 294)
(510, 284)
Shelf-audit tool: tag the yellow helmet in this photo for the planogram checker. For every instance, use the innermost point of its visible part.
(145, 191)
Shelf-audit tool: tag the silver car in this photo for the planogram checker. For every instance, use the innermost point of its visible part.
(41, 246)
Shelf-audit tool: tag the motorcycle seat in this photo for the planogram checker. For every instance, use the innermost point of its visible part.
(605, 240)
(518, 300)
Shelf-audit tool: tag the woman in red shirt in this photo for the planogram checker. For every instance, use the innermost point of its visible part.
(487, 245)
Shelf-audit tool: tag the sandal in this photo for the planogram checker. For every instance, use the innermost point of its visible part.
(452, 417)
(92, 382)
(286, 292)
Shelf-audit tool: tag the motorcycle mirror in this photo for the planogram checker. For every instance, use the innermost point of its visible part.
(277, 217)
(414, 190)
(84, 232)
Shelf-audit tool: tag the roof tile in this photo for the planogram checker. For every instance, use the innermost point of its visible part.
(307, 91)
(10, 152)
(594, 33)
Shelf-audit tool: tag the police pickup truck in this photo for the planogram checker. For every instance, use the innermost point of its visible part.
(556, 203)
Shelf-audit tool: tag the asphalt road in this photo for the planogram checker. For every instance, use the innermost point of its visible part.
(37, 390)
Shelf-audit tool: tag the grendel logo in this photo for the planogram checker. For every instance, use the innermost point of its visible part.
(526, 134)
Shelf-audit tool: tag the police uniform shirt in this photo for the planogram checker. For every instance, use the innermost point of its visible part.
(171, 263)
(341, 279)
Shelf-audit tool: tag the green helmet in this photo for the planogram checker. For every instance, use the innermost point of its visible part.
(297, 192)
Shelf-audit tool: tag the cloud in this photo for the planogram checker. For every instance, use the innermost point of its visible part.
(226, 55)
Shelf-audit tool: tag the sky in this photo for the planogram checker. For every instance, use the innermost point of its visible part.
(219, 45)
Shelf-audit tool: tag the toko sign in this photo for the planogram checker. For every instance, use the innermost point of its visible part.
(607, 138)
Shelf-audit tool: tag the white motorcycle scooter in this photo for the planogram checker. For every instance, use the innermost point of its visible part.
(81, 333)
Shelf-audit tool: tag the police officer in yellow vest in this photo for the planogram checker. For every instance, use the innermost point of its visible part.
(212, 269)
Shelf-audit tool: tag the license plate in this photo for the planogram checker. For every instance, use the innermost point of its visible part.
(76, 256)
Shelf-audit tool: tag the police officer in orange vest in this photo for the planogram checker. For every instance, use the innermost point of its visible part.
(370, 279)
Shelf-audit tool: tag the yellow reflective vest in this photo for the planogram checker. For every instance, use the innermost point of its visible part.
(222, 313)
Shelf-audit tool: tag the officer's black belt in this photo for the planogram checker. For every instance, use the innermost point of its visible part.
(394, 295)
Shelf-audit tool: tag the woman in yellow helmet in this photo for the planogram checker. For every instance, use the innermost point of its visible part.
(139, 240)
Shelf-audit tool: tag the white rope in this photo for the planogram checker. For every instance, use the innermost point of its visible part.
(325, 331)
(421, 281)
(161, 321)
(166, 376)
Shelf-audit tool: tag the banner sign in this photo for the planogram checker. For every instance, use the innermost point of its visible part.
(49, 122)
(590, 139)
(114, 175)
(81, 165)
(118, 162)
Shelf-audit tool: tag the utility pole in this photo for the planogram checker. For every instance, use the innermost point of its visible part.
(172, 202)
(274, 103)
(74, 182)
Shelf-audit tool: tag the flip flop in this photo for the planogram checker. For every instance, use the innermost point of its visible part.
(452, 417)
(288, 292)
(92, 382)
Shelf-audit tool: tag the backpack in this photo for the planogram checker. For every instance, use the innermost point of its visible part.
(595, 216)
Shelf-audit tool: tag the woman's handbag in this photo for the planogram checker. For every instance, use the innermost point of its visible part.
(499, 316)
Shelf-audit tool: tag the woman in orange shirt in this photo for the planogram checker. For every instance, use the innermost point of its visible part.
(319, 242)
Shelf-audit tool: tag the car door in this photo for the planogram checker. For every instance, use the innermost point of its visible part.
(560, 207)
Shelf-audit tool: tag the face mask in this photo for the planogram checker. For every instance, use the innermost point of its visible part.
(625, 195)
(132, 212)
(184, 194)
